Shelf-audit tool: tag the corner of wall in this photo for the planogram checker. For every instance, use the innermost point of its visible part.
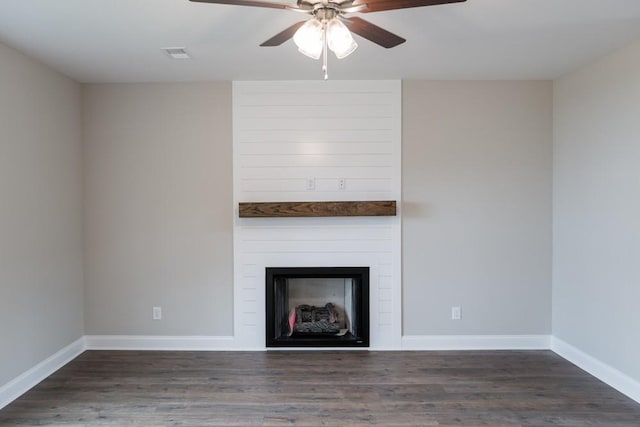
(606, 373)
(25, 381)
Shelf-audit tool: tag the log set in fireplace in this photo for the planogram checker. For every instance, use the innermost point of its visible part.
(317, 307)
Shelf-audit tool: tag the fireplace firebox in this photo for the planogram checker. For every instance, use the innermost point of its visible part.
(317, 307)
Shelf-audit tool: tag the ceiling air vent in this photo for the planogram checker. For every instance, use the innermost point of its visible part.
(176, 52)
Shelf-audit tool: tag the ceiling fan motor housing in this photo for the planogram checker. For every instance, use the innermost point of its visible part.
(326, 12)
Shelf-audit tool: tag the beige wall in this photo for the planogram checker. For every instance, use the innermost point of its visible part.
(477, 207)
(158, 208)
(596, 274)
(40, 213)
(476, 188)
(477, 192)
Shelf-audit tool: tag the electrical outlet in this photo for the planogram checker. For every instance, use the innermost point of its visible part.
(456, 313)
(342, 184)
(311, 183)
(157, 313)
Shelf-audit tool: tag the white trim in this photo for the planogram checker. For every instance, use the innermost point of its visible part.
(161, 342)
(28, 379)
(395, 340)
(606, 373)
(475, 342)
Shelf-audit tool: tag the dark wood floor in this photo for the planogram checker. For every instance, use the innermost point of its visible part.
(309, 388)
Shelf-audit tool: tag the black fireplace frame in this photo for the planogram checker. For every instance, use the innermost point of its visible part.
(275, 334)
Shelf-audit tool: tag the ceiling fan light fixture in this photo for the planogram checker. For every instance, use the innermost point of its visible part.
(339, 39)
(309, 38)
(315, 36)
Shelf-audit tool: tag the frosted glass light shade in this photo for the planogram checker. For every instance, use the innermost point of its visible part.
(308, 38)
(339, 39)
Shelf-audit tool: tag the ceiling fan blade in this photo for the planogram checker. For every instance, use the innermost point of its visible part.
(379, 5)
(250, 3)
(373, 33)
(284, 35)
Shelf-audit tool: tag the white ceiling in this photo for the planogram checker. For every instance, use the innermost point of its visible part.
(120, 40)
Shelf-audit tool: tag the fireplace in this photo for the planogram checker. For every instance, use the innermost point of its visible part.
(317, 307)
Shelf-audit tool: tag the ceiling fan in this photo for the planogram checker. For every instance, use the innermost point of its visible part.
(330, 27)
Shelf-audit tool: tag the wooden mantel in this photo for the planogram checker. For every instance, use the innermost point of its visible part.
(317, 209)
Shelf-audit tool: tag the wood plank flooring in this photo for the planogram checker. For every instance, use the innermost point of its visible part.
(321, 388)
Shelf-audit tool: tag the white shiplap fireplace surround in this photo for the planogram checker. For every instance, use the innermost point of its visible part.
(317, 141)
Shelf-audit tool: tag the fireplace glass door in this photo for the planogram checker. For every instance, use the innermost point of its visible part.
(317, 307)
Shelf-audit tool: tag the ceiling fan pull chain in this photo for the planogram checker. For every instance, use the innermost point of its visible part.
(324, 50)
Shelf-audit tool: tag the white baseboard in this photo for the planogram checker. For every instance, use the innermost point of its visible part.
(475, 342)
(22, 383)
(609, 375)
(160, 342)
